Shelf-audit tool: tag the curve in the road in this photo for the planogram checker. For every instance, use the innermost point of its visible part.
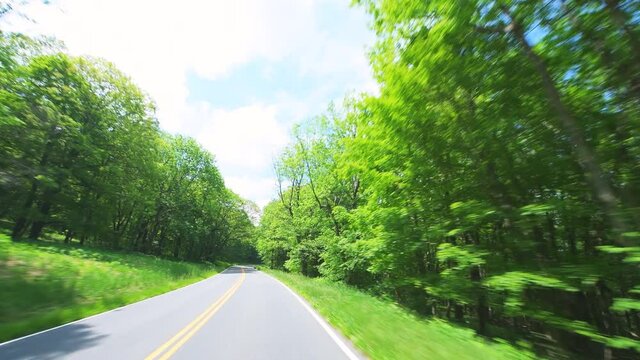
(256, 317)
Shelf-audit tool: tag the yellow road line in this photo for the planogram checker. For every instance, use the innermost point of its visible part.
(188, 331)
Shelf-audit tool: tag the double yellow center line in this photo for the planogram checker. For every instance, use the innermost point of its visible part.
(175, 343)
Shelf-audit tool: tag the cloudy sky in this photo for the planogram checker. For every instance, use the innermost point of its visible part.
(233, 74)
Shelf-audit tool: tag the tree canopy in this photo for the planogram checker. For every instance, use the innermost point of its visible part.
(495, 178)
(82, 156)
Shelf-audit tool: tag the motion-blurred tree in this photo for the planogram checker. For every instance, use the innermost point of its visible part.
(495, 177)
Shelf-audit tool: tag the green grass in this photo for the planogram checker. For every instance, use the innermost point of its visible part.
(46, 284)
(383, 330)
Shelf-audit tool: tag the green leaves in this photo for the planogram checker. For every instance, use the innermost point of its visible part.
(82, 156)
(625, 304)
(516, 282)
(461, 256)
(496, 169)
(632, 254)
(536, 209)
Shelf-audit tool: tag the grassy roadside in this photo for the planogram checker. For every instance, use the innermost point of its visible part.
(382, 330)
(44, 285)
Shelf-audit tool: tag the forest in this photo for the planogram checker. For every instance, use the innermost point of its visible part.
(494, 179)
(83, 160)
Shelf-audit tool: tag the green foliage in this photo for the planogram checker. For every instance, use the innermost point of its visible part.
(624, 304)
(82, 157)
(461, 258)
(493, 180)
(382, 330)
(632, 253)
(47, 284)
(514, 283)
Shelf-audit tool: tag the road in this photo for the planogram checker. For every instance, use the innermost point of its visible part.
(240, 313)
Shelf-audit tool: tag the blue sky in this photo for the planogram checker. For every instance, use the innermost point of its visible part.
(235, 75)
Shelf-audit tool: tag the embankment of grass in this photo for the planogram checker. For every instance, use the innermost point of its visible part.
(383, 330)
(44, 284)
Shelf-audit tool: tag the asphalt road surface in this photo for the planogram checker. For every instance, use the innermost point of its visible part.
(240, 313)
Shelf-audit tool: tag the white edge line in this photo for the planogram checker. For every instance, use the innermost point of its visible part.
(108, 311)
(327, 328)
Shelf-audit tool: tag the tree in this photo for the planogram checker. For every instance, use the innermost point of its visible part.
(495, 173)
(82, 156)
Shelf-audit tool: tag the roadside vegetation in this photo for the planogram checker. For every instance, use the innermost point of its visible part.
(45, 284)
(493, 181)
(82, 156)
(383, 330)
(89, 184)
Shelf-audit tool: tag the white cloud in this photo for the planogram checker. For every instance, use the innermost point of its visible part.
(244, 140)
(252, 187)
(159, 42)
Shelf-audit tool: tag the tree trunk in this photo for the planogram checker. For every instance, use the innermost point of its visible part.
(619, 18)
(68, 236)
(571, 237)
(38, 225)
(459, 313)
(176, 247)
(586, 157)
(482, 310)
(21, 222)
(551, 229)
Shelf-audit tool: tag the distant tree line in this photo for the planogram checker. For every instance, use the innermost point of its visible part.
(495, 179)
(82, 156)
